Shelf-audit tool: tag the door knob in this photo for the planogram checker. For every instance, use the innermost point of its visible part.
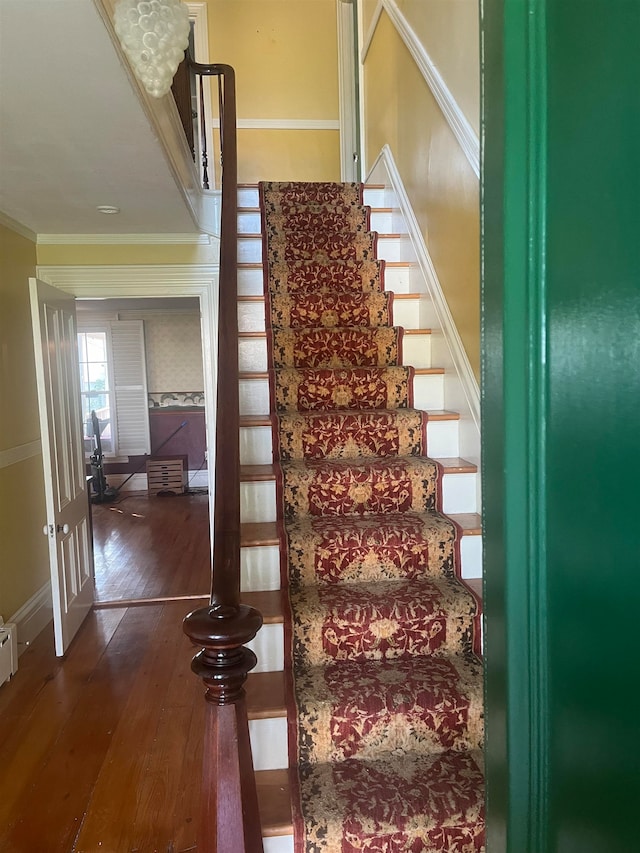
(62, 528)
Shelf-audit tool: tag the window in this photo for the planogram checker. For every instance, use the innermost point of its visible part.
(96, 388)
(113, 383)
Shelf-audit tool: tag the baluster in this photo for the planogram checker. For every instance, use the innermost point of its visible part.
(203, 136)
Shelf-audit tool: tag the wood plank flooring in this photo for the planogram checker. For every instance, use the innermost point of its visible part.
(101, 750)
(151, 547)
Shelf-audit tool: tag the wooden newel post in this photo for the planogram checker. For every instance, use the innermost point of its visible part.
(229, 818)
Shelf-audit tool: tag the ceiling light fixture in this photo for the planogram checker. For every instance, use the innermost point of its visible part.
(154, 35)
(107, 209)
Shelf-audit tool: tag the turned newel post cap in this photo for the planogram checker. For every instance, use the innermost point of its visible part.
(221, 626)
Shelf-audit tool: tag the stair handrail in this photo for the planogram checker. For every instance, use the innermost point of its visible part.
(229, 816)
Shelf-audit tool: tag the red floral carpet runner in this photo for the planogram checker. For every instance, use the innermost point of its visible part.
(385, 697)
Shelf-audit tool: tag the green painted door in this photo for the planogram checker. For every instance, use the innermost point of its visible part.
(561, 423)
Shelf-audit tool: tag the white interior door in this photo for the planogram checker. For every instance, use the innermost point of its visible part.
(67, 524)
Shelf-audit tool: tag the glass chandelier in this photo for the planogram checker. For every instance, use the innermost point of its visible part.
(154, 35)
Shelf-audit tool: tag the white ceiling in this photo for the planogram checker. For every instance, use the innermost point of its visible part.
(73, 134)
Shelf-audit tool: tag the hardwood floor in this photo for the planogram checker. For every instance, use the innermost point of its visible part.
(151, 547)
(100, 751)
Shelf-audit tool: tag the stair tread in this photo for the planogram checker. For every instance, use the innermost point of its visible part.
(265, 695)
(475, 584)
(374, 209)
(265, 420)
(253, 185)
(450, 464)
(256, 265)
(260, 298)
(264, 374)
(274, 801)
(256, 533)
(268, 602)
(263, 333)
(382, 235)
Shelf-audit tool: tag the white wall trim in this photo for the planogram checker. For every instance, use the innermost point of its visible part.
(368, 38)
(466, 136)
(121, 280)
(20, 453)
(125, 239)
(459, 356)
(18, 227)
(34, 615)
(347, 98)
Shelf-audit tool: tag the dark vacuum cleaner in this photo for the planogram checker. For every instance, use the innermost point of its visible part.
(102, 492)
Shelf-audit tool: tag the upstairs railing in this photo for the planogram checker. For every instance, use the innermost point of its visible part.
(189, 94)
(229, 819)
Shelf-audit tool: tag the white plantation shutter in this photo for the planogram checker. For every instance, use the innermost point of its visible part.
(130, 388)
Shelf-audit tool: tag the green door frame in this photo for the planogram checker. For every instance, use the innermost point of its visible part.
(561, 423)
(514, 409)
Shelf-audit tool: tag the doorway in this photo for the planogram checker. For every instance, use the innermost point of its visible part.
(150, 491)
(172, 284)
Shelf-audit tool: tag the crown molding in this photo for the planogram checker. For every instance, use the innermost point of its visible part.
(20, 229)
(102, 281)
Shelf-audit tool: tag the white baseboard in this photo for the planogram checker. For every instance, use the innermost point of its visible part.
(34, 615)
(198, 479)
(461, 393)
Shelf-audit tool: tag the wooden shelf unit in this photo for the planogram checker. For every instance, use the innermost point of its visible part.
(165, 475)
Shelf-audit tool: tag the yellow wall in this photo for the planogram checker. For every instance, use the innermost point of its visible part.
(24, 560)
(288, 155)
(450, 33)
(400, 111)
(284, 53)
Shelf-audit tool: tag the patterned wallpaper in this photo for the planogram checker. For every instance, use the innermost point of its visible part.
(174, 357)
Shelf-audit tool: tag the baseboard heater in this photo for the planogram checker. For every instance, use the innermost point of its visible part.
(8, 650)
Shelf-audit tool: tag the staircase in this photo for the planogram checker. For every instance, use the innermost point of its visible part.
(262, 531)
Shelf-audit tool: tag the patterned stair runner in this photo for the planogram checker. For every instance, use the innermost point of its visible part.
(382, 638)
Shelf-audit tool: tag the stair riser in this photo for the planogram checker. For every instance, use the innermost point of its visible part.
(252, 352)
(373, 196)
(256, 442)
(428, 393)
(268, 647)
(407, 313)
(260, 565)
(278, 844)
(269, 743)
(389, 249)
(258, 498)
(249, 221)
(397, 279)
